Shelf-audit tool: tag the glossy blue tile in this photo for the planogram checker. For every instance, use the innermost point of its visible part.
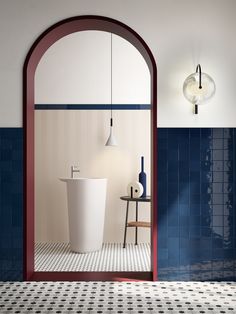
(195, 133)
(205, 204)
(218, 176)
(217, 231)
(228, 177)
(217, 220)
(172, 143)
(11, 203)
(206, 231)
(162, 155)
(206, 165)
(162, 243)
(173, 231)
(195, 199)
(228, 187)
(206, 147)
(217, 209)
(163, 254)
(217, 187)
(206, 220)
(184, 197)
(218, 143)
(195, 165)
(195, 188)
(184, 151)
(162, 143)
(195, 221)
(173, 219)
(218, 154)
(206, 133)
(228, 254)
(228, 133)
(184, 231)
(173, 167)
(217, 198)
(195, 232)
(173, 199)
(162, 166)
(195, 209)
(218, 165)
(184, 210)
(173, 176)
(183, 178)
(173, 257)
(195, 152)
(162, 133)
(173, 263)
(228, 143)
(206, 155)
(195, 177)
(217, 133)
(173, 154)
(173, 188)
(184, 244)
(229, 154)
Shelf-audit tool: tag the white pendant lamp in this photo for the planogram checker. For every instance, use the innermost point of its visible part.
(111, 139)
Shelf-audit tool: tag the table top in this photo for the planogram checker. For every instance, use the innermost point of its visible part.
(136, 199)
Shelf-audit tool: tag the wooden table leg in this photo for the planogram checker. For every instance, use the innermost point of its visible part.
(126, 221)
(136, 228)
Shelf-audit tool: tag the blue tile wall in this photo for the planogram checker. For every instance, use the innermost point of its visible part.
(11, 203)
(196, 204)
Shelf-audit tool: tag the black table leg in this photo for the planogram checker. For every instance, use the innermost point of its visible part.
(126, 221)
(136, 228)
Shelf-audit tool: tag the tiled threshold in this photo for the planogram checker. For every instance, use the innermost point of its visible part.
(112, 257)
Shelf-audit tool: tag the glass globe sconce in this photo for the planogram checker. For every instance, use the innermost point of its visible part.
(198, 88)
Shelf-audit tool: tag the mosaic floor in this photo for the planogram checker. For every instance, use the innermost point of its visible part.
(118, 297)
(112, 257)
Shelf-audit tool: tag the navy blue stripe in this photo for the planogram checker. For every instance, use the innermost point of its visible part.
(92, 107)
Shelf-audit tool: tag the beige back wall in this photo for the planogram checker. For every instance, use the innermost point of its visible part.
(65, 138)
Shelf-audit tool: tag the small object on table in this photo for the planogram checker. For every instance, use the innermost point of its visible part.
(135, 223)
(143, 178)
(135, 189)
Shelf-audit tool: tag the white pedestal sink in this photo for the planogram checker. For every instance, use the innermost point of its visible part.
(86, 198)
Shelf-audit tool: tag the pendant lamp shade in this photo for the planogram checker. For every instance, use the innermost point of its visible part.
(111, 141)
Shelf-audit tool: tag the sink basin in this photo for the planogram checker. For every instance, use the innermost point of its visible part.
(86, 199)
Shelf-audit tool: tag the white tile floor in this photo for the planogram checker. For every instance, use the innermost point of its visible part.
(118, 297)
(112, 257)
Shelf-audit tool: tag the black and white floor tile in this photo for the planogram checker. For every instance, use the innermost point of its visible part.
(112, 257)
(118, 297)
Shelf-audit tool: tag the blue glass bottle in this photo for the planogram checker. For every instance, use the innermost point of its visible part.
(143, 178)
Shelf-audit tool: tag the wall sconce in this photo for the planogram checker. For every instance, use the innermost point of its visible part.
(198, 88)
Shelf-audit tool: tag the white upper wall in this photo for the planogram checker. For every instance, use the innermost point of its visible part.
(180, 34)
(77, 70)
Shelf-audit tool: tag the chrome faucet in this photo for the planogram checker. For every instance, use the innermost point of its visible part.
(73, 170)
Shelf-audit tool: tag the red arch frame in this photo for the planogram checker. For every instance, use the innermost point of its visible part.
(45, 40)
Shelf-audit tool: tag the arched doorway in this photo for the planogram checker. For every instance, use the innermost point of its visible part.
(45, 40)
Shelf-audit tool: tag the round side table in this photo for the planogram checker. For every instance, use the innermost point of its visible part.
(136, 223)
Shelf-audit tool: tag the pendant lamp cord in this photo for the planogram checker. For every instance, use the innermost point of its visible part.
(111, 79)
